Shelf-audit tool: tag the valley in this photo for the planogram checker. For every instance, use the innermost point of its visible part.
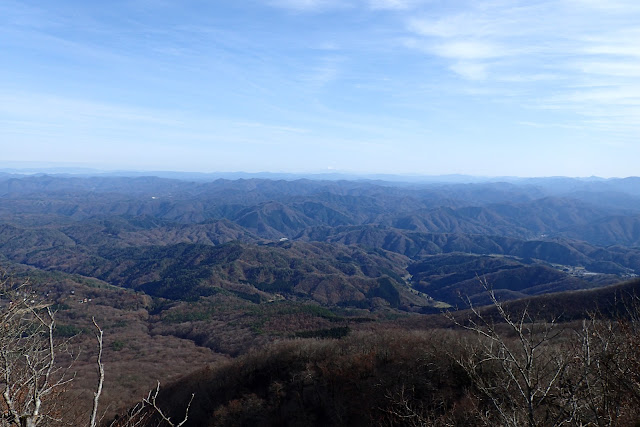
(187, 274)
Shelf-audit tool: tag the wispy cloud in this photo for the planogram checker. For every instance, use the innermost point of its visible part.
(579, 57)
(607, 6)
(404, 74)
(470, 70)
(325, 5)
(469, 50)
(310, 5)
(587, 43)
(322, 71)
(394, 4)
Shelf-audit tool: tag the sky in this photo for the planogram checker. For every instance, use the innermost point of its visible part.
(427, 87)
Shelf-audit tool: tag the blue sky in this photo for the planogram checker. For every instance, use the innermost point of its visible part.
(495, 87)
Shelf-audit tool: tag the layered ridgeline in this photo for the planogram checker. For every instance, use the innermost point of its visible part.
(181, 239)
(184, 273)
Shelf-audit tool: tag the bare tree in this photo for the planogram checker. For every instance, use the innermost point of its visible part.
(147, 412)
(98, 392)
(518, 365)
(31, 379)
(29, 375)
(609, 364)
(404, 410)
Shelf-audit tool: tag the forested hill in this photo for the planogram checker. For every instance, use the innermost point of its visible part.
(201, 271)
(530, 236)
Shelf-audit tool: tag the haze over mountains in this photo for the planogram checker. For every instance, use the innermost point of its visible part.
(550, 234)
(332, 283)
(204, 271)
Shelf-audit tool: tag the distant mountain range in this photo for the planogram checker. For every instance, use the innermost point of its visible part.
(320, 239)
(327, 292)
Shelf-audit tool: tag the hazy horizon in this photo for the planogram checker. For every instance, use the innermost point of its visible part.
(32, 168)
(362, 87)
